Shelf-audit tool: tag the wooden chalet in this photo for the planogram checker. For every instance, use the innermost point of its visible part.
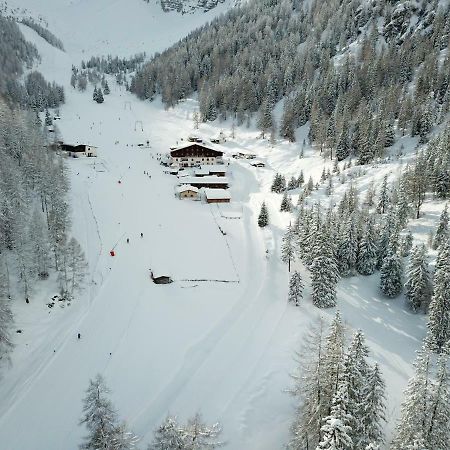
(194, 154)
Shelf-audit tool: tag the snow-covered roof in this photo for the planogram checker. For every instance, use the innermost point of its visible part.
(217, 194)
(213, 168)
(202, 171)
(205, 180)
(186, 187)
(191, 144)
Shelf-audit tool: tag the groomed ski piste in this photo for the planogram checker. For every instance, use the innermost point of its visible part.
(223, 346)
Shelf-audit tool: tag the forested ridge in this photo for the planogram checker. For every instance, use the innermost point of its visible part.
(359, 72)
(35, 238)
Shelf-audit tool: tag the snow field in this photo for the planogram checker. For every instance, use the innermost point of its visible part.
(222, 348)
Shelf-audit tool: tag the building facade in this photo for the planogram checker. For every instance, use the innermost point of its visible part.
(194, 154)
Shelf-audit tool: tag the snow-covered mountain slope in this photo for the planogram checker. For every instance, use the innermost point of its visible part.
(116, 27)
(225, 349)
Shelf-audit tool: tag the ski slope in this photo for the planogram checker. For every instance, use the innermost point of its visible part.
(222, 348)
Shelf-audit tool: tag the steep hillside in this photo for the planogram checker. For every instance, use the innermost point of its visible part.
(355, 70)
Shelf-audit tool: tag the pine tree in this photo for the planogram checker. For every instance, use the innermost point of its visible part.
(6, 322)
(286, 203)
(101, 420)
(95, 94)
(324, 272)
(367, 250)
(343, 145)
(374, 407)
(439, 318)
(391, 275)
(295, 288)
(336, 429)
(292, 184)
(424, 413)
(199, 436)
(354, 376)
(383, 200)
(168, 436)
(278, 184)
(301, 179)
(438, 431)
(265, 119)
(99, 98)
(106, 89)
(347, 248)
(406, 243)
(418, 284)
(333, 355)
(263, 218)
(442, 232)
(308, 389)
(403, 207)
(48, 120)
(288, 247)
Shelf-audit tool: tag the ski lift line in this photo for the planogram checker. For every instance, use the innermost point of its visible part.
(118, 240)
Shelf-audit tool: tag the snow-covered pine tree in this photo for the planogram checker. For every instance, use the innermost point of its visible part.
(403, 208)
(391, 274)
(374, 400)
(347, 249)
(343, 146)
(286, 203)
(263, 218)
(387, 233)
(292, 184)
(308, 387)
(310, 185)
(442, 232)
(332, 363)
(406, 243)
(336, 429)
(99, 98)
(324, 271)
(76, 265)
(6, 320)
(106, 89)
(278, 184)
(424, 414)
(288, 247)
(295, 294)
(199, 436)
(367, 249)
(354, 375)
(438, 430)
(101, 420)
(383, 199)
(95, 94)
(48, 120)
(418, 288)
(265, 118)
(168, 436)
(439, 318)
(300, 179)
(40, 247)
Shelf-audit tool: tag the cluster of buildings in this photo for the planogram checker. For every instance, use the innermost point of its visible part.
(206, 176)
